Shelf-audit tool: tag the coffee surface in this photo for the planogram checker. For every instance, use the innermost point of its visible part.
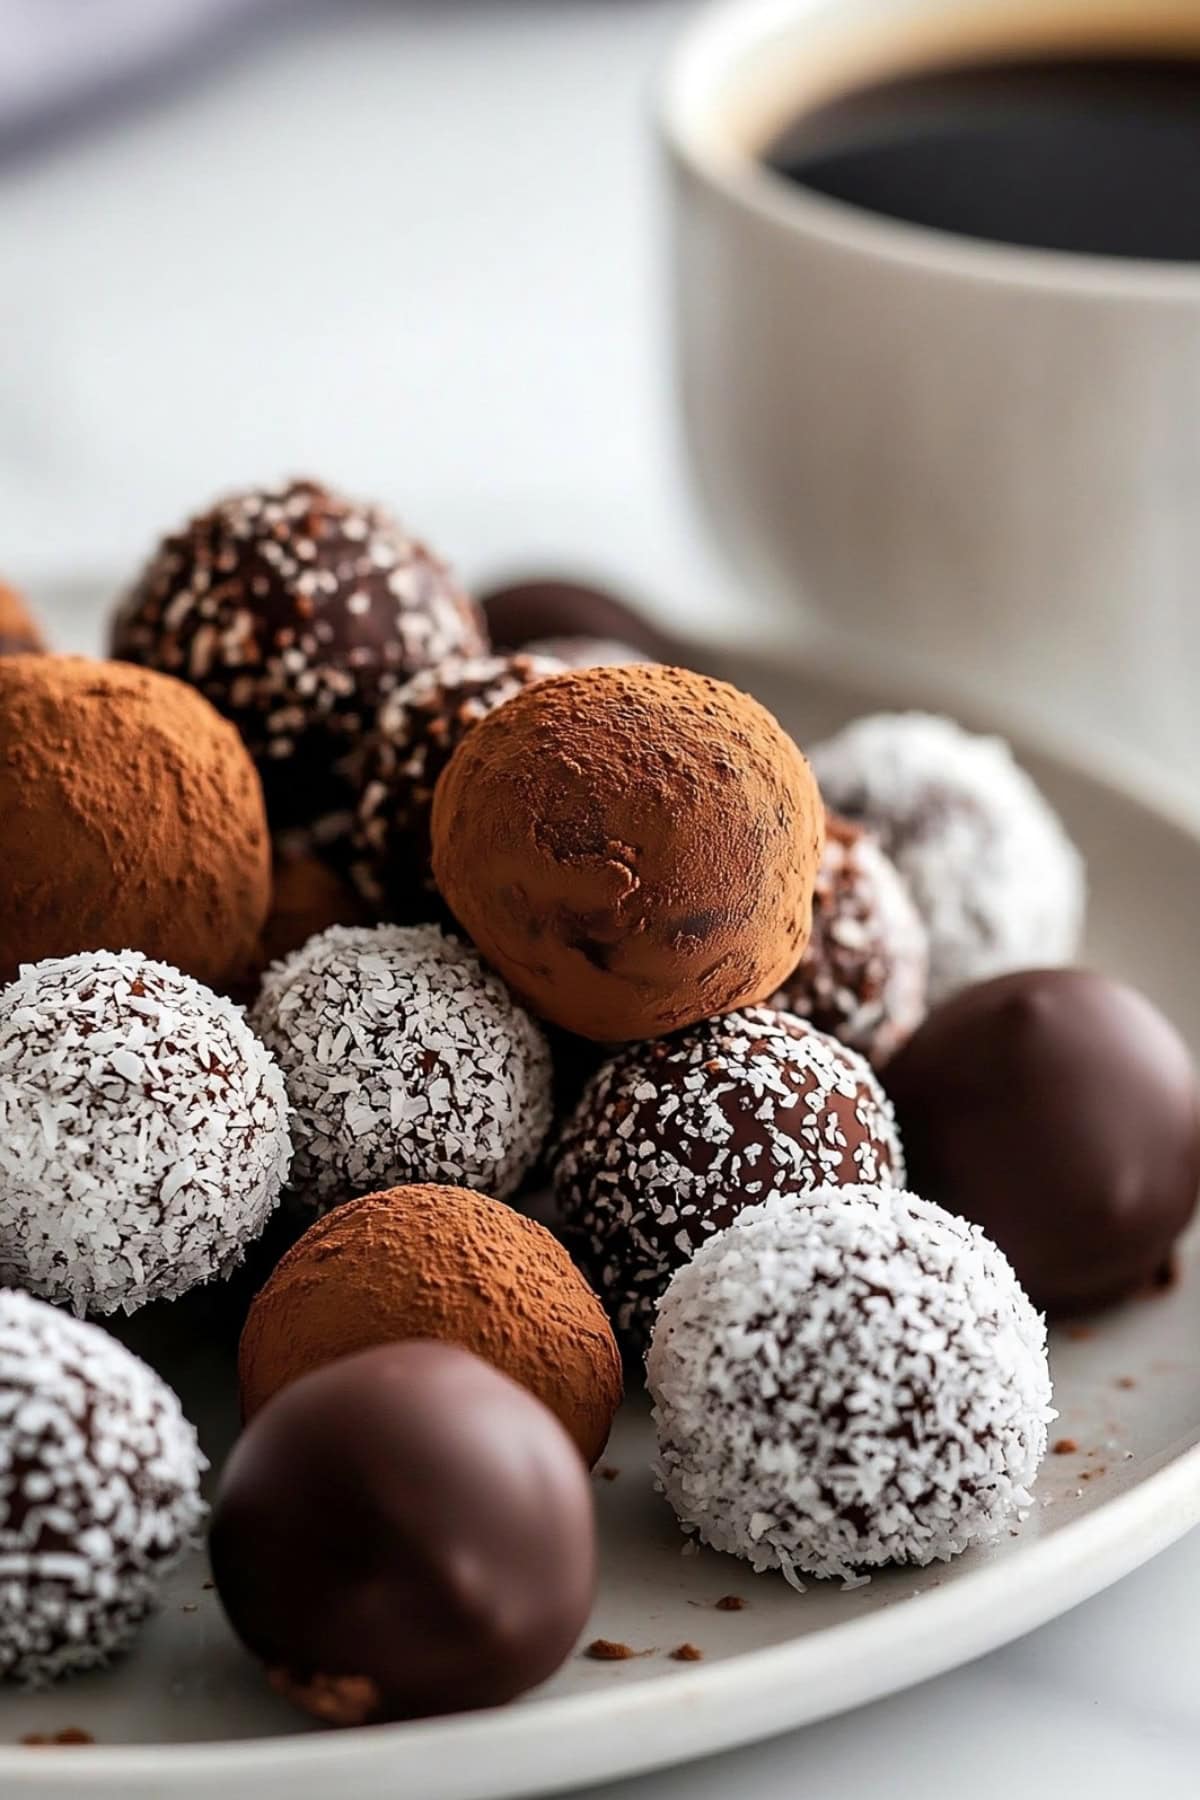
(1099, 156)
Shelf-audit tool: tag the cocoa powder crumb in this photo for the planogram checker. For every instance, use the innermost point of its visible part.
(731, 1603)
(605, 1650)
(71, 1734)
(1126, 1381)
(687, 1653)
(1065, 1446)
(607, 1473)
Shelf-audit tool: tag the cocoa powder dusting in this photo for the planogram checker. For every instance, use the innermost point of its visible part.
(438, 1262)
(687, 1653)
(731, 1603)
(1065, 1446)
(605, 1650)
(70, 1735)
(131, 817)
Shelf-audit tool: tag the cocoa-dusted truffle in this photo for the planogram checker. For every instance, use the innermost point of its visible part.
(522, 613)
(99, 1491)
(295, 610)
(130, 818)
(405, 1532)
(19, 635)
(438, 1262)
(307, 896)
(992, 872)
(847, 1379)
(417, 731)
(671, 1141)
(633, 849)
(864, 972)
(405, 1060)
(1058, 1109)
(143, 1132)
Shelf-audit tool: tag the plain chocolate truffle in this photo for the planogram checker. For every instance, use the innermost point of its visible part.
(405, 1060)
(865, 969)
(130, 818)
(1058, 1109)
(418, 729)
(438, 1262)
(99, 1492)
(405, 1532)
(848, 1379)
(522, 612)
(19, 636)
(295, 611)
(995, 878)
(632, 848)
(143, 1132)
(671, 1140)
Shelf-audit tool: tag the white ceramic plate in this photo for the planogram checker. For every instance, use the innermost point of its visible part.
(188, 1715)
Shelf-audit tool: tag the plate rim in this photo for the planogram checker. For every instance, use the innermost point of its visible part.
(754, 1694)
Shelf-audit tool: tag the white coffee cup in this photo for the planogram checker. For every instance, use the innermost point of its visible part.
(961, 459)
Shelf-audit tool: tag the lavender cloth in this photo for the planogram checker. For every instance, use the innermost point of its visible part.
(60, 57)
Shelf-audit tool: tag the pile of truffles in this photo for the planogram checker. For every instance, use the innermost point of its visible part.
(343, 916)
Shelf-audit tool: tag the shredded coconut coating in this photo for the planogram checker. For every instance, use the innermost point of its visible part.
(144, 1134)
(99, 1491)
(993, 874)
(405, 1061)
(864, 974)
(848, 1379)
(673, 1138)
(417, 731)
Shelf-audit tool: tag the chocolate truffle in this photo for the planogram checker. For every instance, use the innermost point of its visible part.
(587, 652)
(130, 818)
(993, 874)
(405, 1060)
(19, 636)
(671, 1141)
(1057, 1109)
(295, 611)
(143, 1132)
(524, 612)
(99, 1491)
(438, 1262)
(864, 972)
(307, 897)
(634, 849)
(848, 1379)
(417, 731)
(405, 1532)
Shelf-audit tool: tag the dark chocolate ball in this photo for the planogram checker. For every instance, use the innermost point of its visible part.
(417, 732)
(1057, 1109)
(405, 1532)
(523, 612)
(673, 1139)
(295, 611)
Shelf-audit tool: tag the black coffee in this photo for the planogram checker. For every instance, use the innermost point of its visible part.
(1098, 155)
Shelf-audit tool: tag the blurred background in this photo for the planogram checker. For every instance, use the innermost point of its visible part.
(408, 246)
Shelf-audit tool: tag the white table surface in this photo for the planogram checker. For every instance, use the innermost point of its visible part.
(418, 250)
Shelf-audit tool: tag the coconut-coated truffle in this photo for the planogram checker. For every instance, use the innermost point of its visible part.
(143, 1132)
(673, 1139)
(19, 634)
(438, 1262)
(405, 1532)
(295, 611)
(994, 876)
(1058, 1109)
(848, 1379)
(417, 731)
(864, 972)
(99, 1491)
(405, 1060)
(130, 818)
(632, 848)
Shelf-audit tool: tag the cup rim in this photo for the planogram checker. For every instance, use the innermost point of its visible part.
(703, 54)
